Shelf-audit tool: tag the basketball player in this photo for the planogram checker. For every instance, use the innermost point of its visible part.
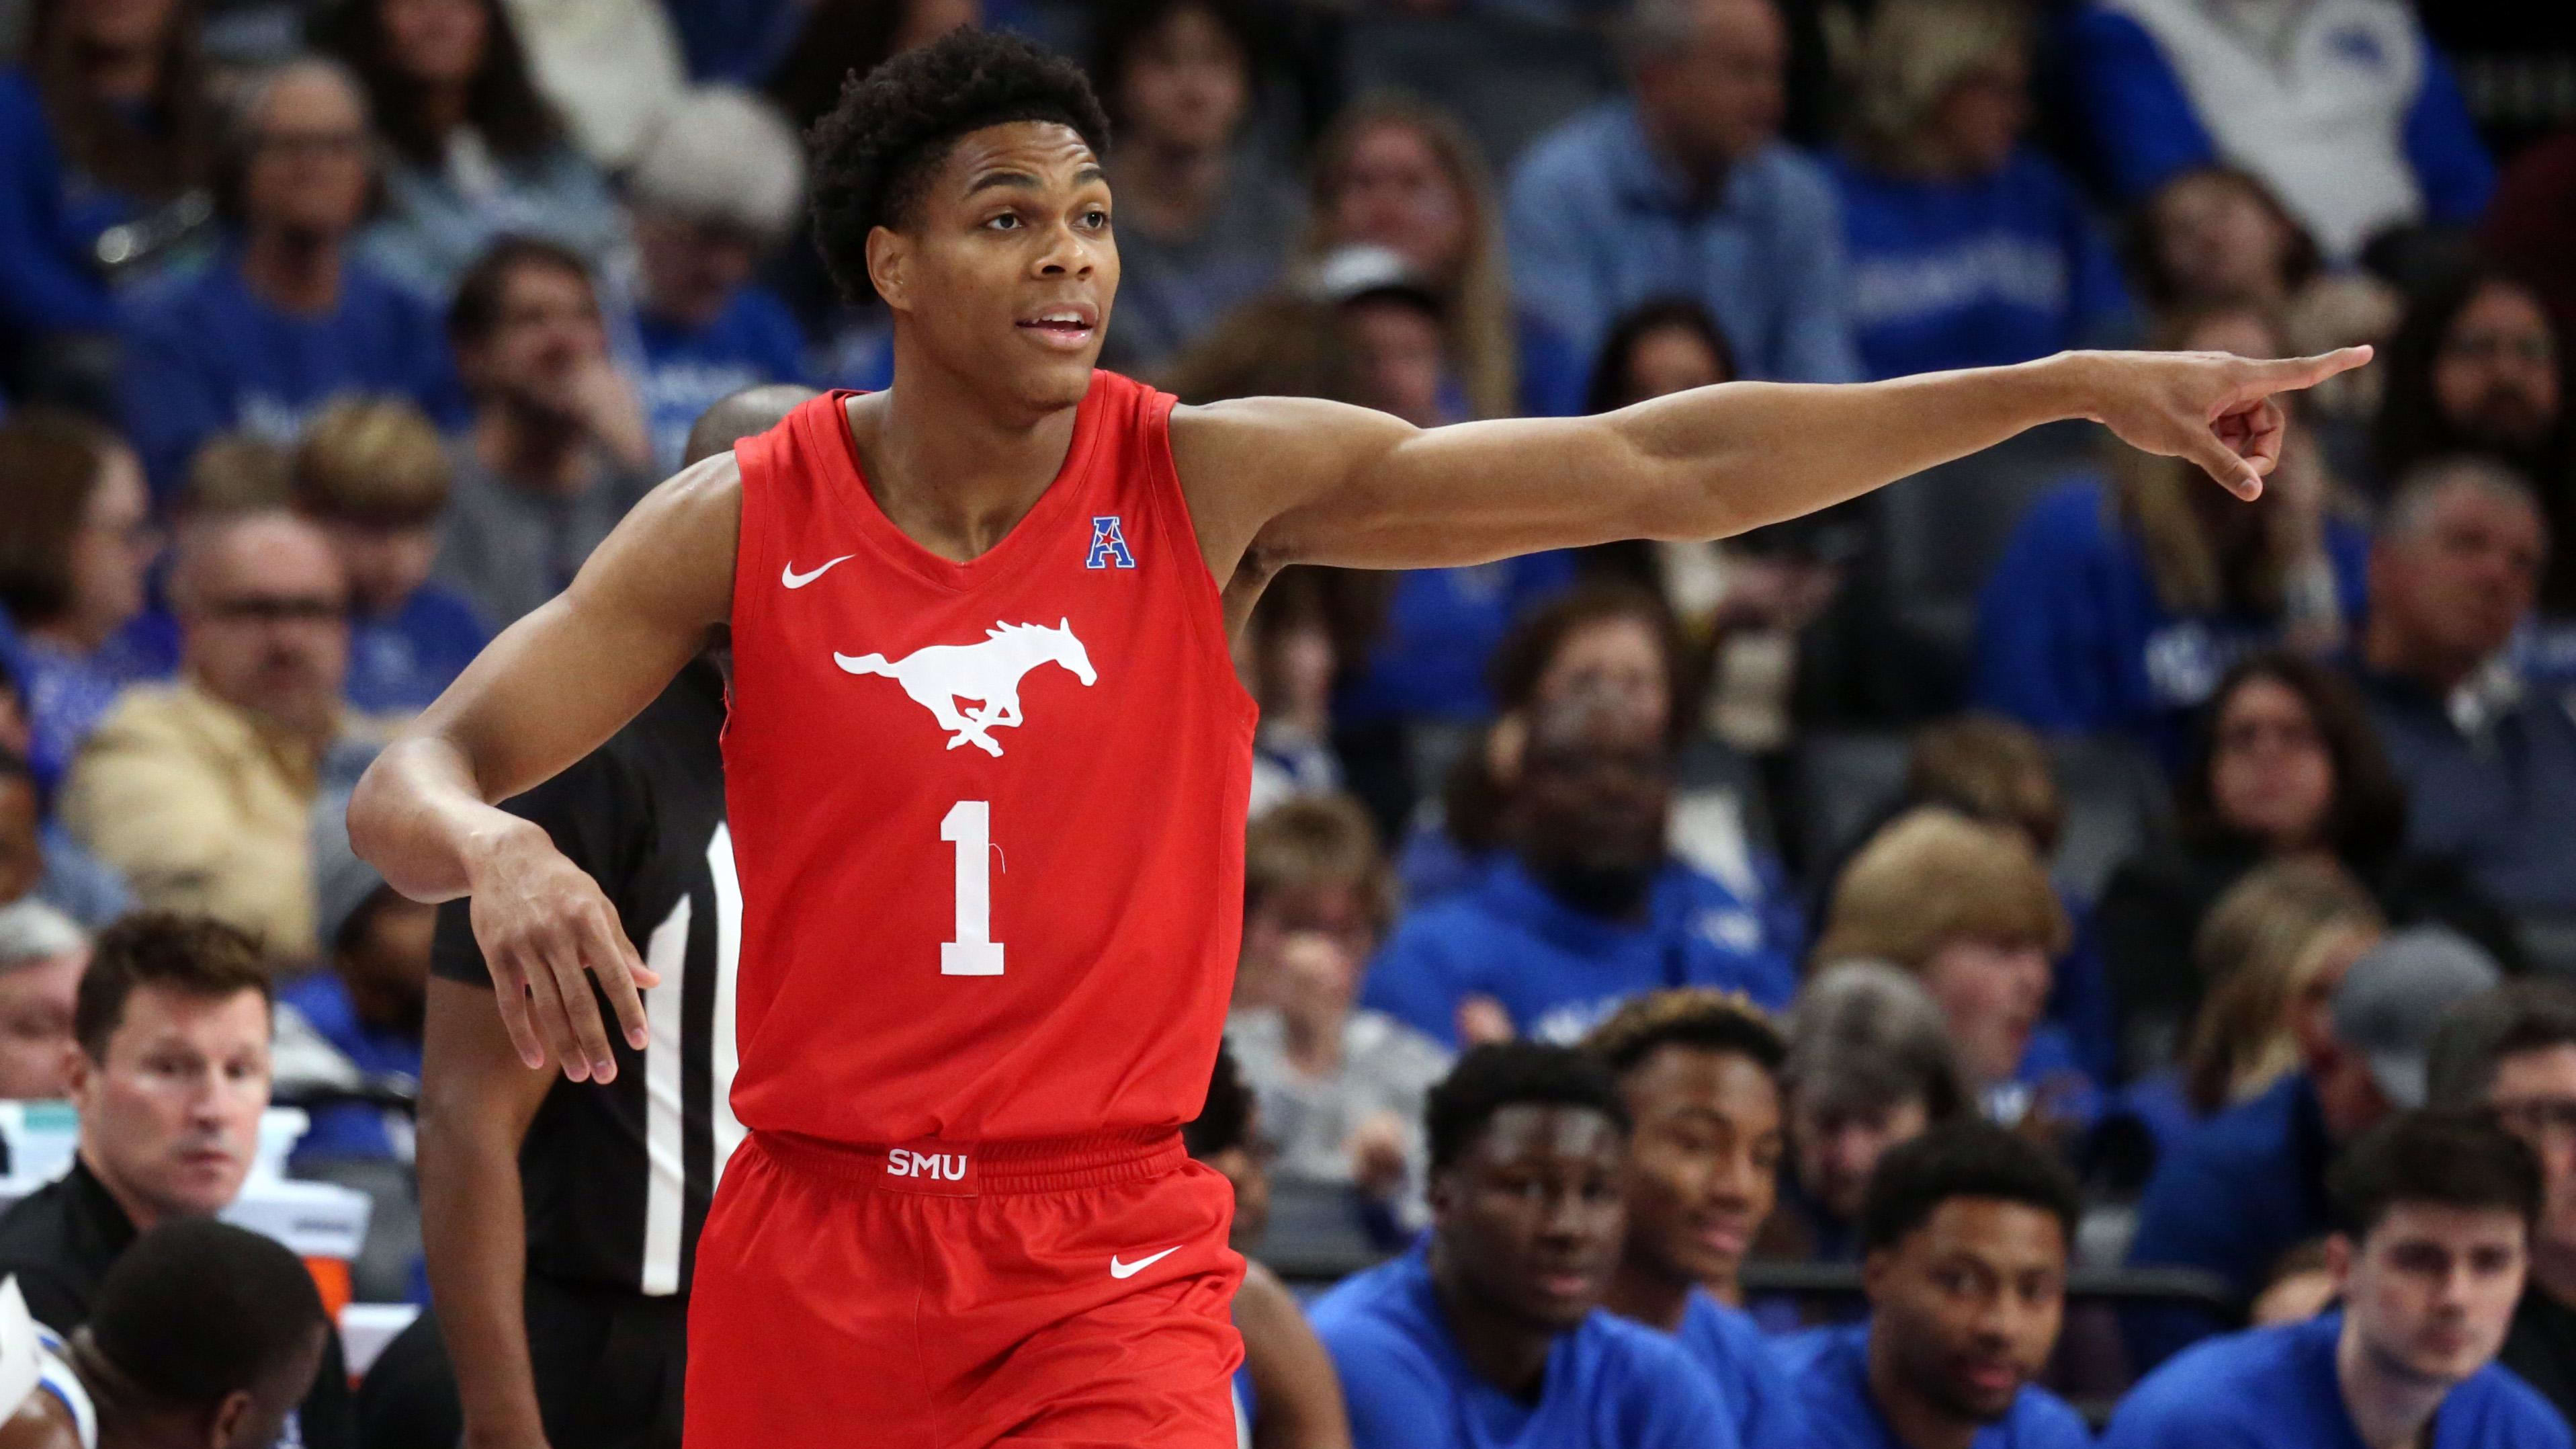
(986, 761)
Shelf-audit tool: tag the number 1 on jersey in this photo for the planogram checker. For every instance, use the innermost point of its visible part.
(969, 825)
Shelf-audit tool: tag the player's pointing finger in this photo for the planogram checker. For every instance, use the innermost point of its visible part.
(2289, 374)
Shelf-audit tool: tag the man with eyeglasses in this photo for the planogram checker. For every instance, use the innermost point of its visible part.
(201, 790)
(2514, 1050)
(288, 317)
(2488, 763)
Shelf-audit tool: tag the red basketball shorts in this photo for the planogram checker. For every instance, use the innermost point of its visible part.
(958, 1295)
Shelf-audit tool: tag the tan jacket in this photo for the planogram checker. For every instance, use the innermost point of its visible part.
(204, 809)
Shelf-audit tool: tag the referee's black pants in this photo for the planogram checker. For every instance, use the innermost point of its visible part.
(609, 1366)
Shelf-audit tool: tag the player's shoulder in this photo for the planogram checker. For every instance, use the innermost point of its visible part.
(2514, 1414)
(2042, 1420)
(2213, 1383)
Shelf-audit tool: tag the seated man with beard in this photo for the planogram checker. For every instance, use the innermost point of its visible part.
(1586, 909)
(1490, 1332)
(1965, 1234)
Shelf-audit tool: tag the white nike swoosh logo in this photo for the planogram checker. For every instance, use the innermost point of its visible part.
(1130, 1270)
(795, 580)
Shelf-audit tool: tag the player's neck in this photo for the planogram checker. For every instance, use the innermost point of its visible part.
(1504, 1350)
(947, 466)
(1917, 1422)
(2389, 1408)
(1639, 1292)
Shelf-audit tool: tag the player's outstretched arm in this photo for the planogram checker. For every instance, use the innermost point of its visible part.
(542, 695)
(1300, 481)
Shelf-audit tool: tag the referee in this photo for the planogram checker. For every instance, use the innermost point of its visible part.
(565, 1321)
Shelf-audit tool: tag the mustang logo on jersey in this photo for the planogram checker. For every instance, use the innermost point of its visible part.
(988, 673)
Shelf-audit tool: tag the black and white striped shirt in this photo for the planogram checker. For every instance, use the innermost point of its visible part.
(617, 1178)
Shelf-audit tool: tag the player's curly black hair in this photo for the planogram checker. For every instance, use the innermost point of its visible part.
(894, 126)
(1970, 1158)
(1510, 1074)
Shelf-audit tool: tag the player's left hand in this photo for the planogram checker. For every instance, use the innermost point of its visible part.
(2215, 409)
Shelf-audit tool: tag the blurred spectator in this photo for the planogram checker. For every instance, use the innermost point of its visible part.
(1969, 910)
(558, 449)
(287, 317)
(1870, 1065)
(1588, 909)
(2513, 1051)
(1486, 1331)
(1287, 657)
(76, 543)
(200, 790)
(1617, 641)
(2341, 106)
(2285, 764)
(1201, 226)
(2434, 1220)
(1993, 769)
(1684, 189)
(1295, 1398)
(2477, 367)
(2117, 605)
(203, 1332)
(2218, 236)
(2237, 1196)
(170, 1078)
(611, 68)
(374, 476)
(716, 187)
(1968, 248)
(1394, 173)
(1966, 1236)
(66, 876)
(2530, 226)
(108, 124)
(477, 154)
(235, 472)
(355, 1024)
(2270, 956)
(1341, 1089)
(42, 955)
(2489, 769)
(1699, 1072)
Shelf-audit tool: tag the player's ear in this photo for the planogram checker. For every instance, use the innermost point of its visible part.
(889, 254)
(224, 1425)
(2339, 1251)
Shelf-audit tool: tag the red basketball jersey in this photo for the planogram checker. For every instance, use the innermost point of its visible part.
(988, 817)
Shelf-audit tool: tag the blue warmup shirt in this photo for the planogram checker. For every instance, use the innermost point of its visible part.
(350, 1129)
(2275, 1388)
(1442, 626)
(1830, 1367)
(1736, 1355)
(2236, 1193)
(400, 662)
(204, 354)
(1977, 273)
(2071, 636)
(1558, 971)
(754, 340)
(1609, 1383)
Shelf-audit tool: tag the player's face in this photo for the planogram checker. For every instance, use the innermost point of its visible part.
(1006, 270)
(1530, 1219)
(2431, 1290)
(1704, 1165)
(1968, 1305)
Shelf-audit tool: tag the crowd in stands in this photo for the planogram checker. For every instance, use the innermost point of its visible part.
(2048, 867)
